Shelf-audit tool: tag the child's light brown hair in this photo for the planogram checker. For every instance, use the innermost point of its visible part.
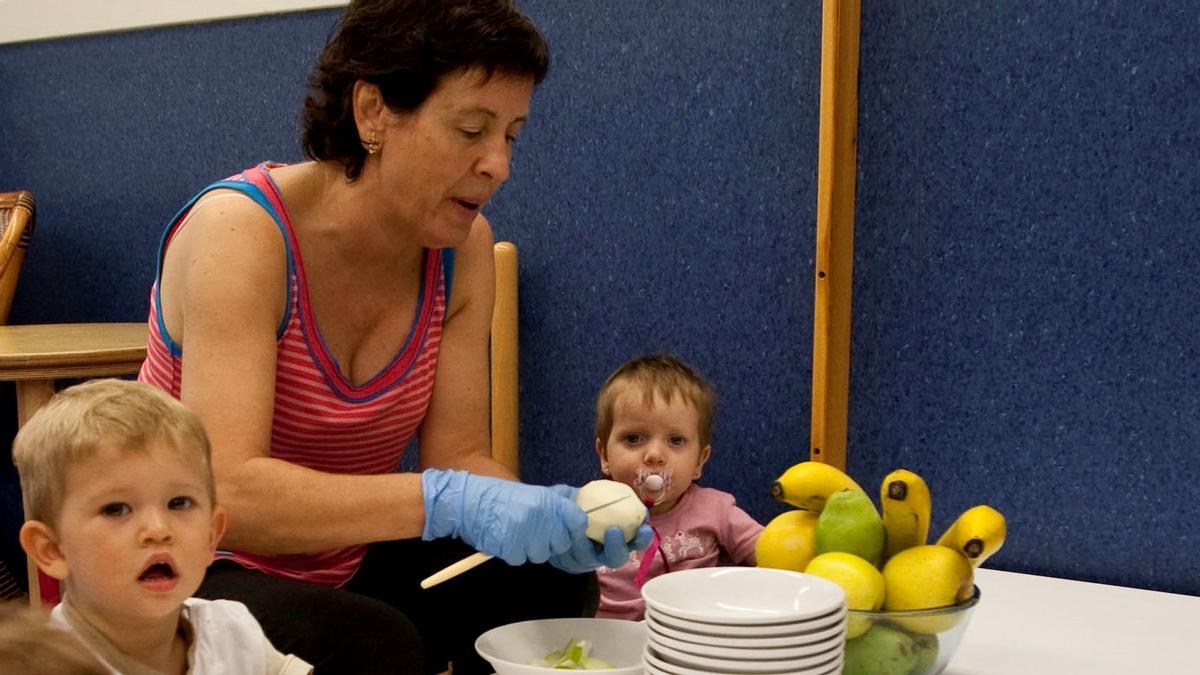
(31, 646)
(80, 420)
(660, 374)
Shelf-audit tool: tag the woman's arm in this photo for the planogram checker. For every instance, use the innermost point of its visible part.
(456, 431)
(223, 290)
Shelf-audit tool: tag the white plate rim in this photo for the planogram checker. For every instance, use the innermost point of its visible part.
(652, 660)
(740, 666)
(745, 653)
(806, 637)
(727, 629)
(709, 573)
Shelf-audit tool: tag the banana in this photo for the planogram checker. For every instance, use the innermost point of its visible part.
(906, 508)
(977, 533)
(808, 485)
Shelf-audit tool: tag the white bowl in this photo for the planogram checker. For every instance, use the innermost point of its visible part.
(745, 653)
(706, 628)
(510, 648)
(655, 665)
(720, 665)
(833, 630)
(742, 595)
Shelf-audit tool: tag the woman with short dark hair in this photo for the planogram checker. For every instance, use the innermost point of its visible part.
(320, 316)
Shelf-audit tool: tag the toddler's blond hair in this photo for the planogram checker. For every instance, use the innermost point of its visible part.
(31, 646)
(660, 374)
(81, 420)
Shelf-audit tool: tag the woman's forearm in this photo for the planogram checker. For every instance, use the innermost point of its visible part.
(278, 508)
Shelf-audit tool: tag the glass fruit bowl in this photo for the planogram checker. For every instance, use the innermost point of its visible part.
(915, 642)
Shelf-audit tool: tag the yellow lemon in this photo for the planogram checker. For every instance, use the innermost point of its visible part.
(925, 577)
(786, 542)
(862, 582)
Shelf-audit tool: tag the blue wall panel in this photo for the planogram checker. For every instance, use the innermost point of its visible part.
(663, 198)
(1026, 255)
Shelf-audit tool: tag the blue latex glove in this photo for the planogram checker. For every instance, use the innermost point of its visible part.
(512, 521)
(586, 555)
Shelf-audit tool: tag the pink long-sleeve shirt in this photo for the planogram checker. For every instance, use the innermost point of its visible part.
(703, 526)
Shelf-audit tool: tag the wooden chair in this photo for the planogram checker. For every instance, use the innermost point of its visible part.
(16, 228)
(505, 385)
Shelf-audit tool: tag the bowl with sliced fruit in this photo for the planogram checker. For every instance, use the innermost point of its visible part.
(602, 646)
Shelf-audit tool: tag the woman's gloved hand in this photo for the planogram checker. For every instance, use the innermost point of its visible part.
(509, 520)
(586, 555)
(518, 522)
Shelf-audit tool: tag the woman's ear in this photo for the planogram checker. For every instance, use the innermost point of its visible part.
(704, 455)
(41, 545)
(220, 520)
(600, 452)
(369, 109)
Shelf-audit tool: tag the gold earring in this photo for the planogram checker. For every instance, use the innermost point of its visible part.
(372, 144)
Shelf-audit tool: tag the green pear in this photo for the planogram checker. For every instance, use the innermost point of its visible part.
(926, 647)
(850, 523)
(883, 650)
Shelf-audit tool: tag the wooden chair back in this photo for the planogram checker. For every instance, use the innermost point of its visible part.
(16, 229)
(504, 363)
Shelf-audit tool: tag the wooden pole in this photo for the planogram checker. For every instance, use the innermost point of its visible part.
(505, 366)
(836, 166)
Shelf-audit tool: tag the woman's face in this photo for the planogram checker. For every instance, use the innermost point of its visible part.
(440, 164)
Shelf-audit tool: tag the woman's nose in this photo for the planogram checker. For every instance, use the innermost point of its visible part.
(494, 163)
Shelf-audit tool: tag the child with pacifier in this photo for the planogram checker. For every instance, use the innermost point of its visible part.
(654, 419)
(120, 507)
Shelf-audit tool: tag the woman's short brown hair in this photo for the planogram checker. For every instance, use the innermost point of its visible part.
(406, 47)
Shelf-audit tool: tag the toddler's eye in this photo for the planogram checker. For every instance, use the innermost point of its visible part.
(181, 503)
(115, 509)
(677, 440)
(631, 439)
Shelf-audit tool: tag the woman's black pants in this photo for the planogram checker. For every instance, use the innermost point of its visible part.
(381, 621)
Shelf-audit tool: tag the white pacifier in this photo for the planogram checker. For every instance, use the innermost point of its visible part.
(652, 487)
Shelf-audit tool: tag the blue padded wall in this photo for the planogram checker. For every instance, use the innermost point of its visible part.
(663, 199)
(113, 133)
(1025, 277)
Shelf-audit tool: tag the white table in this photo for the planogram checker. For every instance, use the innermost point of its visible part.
(1033, 625)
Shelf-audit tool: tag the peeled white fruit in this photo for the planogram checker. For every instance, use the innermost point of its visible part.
(627, 513)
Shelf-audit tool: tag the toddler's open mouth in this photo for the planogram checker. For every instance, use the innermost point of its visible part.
(159, 573)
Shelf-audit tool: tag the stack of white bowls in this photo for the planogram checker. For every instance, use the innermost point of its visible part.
(734, 620)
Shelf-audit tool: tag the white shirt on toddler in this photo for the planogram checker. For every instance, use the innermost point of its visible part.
(222, 637)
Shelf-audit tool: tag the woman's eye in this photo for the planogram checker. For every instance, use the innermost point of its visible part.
(115, 510)
(180, 503)
(511, 138)
(472, 133)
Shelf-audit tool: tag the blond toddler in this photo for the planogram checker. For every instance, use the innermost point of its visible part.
(120, 506)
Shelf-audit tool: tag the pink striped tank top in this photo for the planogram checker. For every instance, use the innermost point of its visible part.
(322, 420)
